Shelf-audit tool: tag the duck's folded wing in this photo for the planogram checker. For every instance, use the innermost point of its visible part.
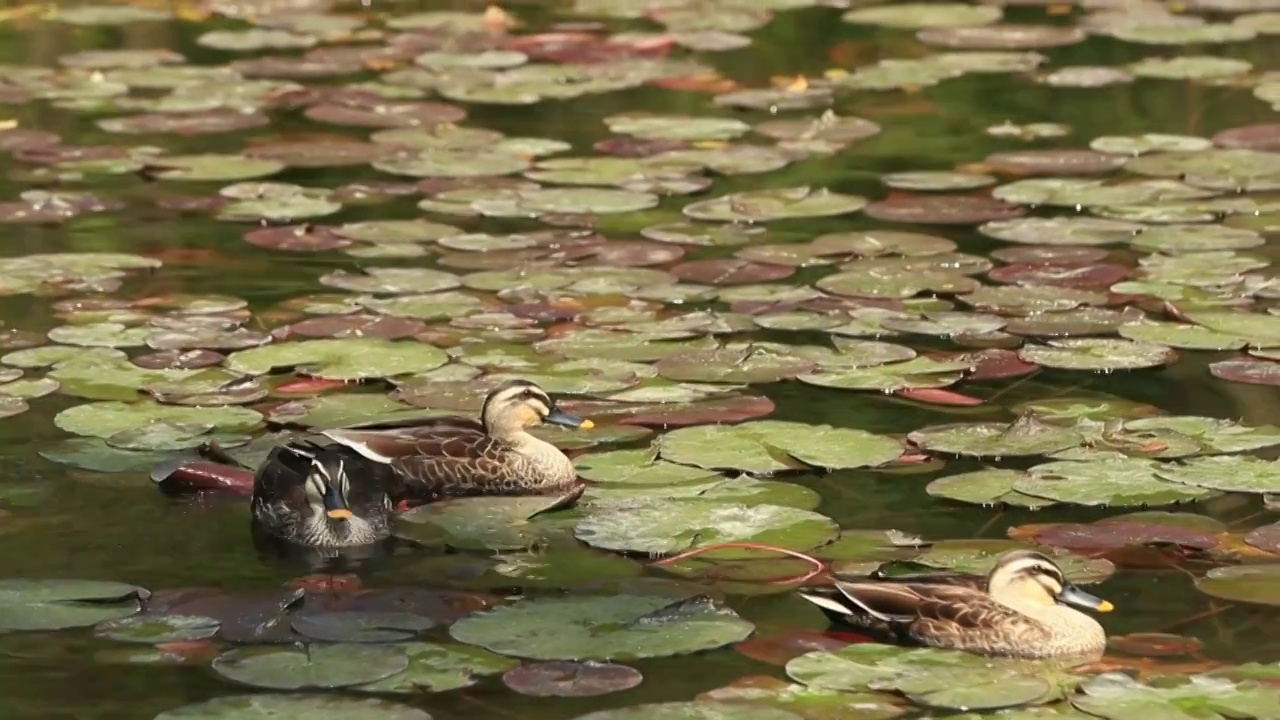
(431, 465)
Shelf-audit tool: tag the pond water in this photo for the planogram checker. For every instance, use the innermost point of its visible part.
(1048, 223)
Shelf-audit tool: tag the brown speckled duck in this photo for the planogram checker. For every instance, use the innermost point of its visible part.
(1020, 609)
(323, 497)
(450, 456)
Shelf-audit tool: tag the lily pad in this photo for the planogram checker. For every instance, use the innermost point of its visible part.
(361, 627)
(479, 523)
(986, 487)
(280, 705)
(55, 604)
(677, 525)
(1026, 436)
(767, 446)
(153, 630)
(439, 667)
(699, 710)
(776, 204)
(341, 359)
(311, 666)
(924, 15)
(106, 419)
(1098, 354)
(603, 627)
(571, 679)
(1233, 473)
(1117, 482)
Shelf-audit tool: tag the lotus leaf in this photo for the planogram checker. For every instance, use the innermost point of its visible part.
(1026, 436)
(1117, 696)
(700, 710)
(986, 487)
(106, 419)
(439, 667)
(666, 526)
(156, 629)
(1227, 473)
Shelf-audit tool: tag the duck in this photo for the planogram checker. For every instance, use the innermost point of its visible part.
(444, 457)
(321, 497)
(1023, 608)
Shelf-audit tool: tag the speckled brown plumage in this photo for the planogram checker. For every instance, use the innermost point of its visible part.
(1011, 611)
(444, 457)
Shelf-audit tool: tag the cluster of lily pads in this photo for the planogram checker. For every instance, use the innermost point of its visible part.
(664, 318)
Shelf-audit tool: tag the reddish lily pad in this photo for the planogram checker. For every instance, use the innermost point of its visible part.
(1250, 371)
(943, 210)
(571, 679)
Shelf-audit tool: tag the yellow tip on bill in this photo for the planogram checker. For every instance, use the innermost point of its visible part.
(1105, 606)
(339, 514)
(587, 425)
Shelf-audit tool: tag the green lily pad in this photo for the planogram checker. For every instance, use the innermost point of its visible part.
(776, 204)
(344, 359)
(699, 710)
(105, 419)
(676, 127)
(1180, 335)
(1119, 482)
(156, 629)
(1238, 170)
(479, 523)
(986, 487)
(670, 526)
(439, 667)
(743, 490)
(108, 334)
(324, 667)
(1025, 436)
(272, 706)
(1071, 230)
(766, 446)
(55, 604)
(754, 691)
(213, 168)
(1189, 67)
(732, 365)
(916, 16)
(603, 627)
(1234, 473)
(361, 627)
(1116, 696)
(400, 281)
(921, 372)
(1212, 434)
(1243, 583)
(638, 467)
(1098, 354)
(1260, 330)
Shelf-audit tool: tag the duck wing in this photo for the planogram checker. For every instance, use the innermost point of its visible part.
(433, 462)
(428, 424)
(931, 608)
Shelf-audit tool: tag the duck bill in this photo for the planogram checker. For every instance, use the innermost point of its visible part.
(560, 417)
(335, 505)
(1072, 595)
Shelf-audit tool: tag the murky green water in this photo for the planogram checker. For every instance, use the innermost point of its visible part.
(117, 526)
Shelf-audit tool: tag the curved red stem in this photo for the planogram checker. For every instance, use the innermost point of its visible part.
(817, 566)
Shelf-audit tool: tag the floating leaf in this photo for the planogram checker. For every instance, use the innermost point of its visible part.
(1026, 436)
(278, 705)
(1098, 354)
(985, 487)
(1108, 482)
(154, 630)
(361, 627)
(343, 359)
(1234, 473)
(54, 604)
(777, 204)
(105, 419)
(768, 445)
(571, 679)
(603, 627)
(439, 667)
(674, 526)
(315, 666)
